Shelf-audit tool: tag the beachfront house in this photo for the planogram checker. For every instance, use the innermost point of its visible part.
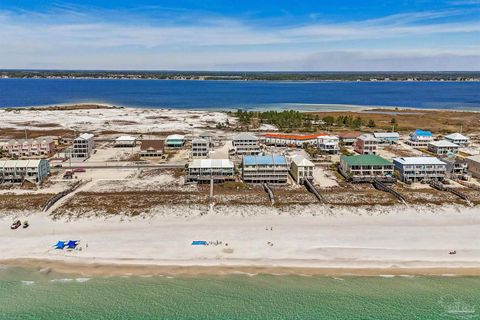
(301, 169)
(272, 169)
(366, 144)
(348, 138)
(291, 140)
(29, 147)
(83, 146)
(210, 137)
(200, 148)
(458, 139)
(366, 168)
(387, 137)
(246, 144)
(152, 148)
(125, 142)
(328, 144)
(411, 169)
(175, 141)
(205, 170)
(443, 148)
(420, 138)
(18, 171)
(473, 165)
(456, 168)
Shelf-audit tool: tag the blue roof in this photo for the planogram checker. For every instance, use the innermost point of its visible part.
(264, 160)
(424, 133)
(279, 159)
(249, 160)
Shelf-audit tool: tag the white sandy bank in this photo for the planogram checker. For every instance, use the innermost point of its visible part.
(393, 237)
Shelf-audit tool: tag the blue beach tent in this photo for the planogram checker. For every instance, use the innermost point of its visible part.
(60, 245)
(72, 244)
(199, 243)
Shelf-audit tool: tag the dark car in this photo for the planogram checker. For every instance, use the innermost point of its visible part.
(15, 225)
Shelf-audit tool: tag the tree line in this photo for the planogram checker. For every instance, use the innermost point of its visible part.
(289, 120)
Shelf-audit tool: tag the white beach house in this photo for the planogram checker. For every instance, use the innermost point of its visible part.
(83, 146)
(457, 138)
(387, 137)
(205, 170)
(200, 148)
(246, 144)
(301, 169)
(443, 148)
(329, 144)
(125, 142)
(411, 169)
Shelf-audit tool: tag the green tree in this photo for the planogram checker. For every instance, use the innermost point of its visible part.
(329, 120)
(356, 123)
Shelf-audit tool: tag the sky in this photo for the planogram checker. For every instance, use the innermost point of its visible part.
(243, 35)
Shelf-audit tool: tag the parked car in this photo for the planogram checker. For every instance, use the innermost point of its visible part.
(15, 225)
(68, 175)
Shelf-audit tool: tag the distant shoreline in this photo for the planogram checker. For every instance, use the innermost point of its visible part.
(241, 79)
(328, 107)
(367, 76)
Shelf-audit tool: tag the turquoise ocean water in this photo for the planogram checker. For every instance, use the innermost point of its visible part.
(26, 294)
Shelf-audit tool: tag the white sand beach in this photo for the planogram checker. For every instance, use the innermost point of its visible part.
(111, 119)
(361, 240)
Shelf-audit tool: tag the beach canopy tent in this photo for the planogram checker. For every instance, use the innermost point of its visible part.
(72, 244)
(199, 243)
(60, 245)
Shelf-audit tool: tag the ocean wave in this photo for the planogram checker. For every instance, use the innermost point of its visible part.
(64, 280)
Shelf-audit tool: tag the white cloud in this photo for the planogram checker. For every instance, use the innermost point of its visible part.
(65, 40)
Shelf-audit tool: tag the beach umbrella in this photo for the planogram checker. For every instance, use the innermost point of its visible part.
(72, 244)
(60, 245)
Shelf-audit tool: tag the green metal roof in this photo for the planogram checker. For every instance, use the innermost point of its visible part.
(365, 160)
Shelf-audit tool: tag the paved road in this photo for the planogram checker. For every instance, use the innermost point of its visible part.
(125, 166)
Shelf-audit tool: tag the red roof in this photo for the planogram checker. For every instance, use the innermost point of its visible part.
(152, 145)
(294, 136)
